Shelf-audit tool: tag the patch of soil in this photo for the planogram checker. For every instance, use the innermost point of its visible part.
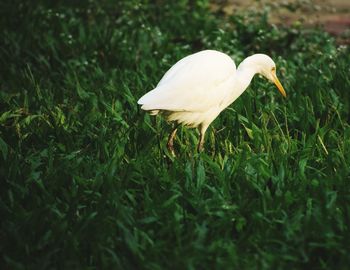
(332, 15)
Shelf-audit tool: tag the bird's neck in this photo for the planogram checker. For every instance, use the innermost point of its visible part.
(244, 76)
(239, 83)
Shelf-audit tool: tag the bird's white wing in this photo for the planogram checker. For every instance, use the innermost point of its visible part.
(192, 84)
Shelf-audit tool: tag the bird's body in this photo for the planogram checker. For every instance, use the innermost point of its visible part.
(197, 88)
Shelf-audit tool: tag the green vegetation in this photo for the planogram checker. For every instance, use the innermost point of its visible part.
(86, 179)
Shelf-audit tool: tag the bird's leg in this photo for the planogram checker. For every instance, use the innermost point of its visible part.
(201, 138)
(200, 143)
(170, 143)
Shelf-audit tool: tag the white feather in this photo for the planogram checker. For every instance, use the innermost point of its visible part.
(192, 84)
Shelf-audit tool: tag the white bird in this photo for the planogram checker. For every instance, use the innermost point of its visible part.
(197, 88)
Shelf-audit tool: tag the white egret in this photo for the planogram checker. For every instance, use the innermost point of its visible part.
(197, 88)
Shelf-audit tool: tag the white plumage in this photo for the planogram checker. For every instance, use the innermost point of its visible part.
(197, 88)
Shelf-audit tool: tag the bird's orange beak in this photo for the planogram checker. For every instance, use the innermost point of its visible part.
(278, 84)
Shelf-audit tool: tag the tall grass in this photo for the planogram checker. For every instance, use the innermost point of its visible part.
(87, 182)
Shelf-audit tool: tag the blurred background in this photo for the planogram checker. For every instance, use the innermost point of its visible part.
(332, 15)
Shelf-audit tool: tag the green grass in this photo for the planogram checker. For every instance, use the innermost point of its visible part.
(87, 182)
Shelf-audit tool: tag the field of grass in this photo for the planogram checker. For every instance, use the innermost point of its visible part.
(86, 179)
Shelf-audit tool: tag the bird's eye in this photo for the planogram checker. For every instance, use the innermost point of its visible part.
(273, 69)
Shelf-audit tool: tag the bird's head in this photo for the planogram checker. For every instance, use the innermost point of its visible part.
(265, 66)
